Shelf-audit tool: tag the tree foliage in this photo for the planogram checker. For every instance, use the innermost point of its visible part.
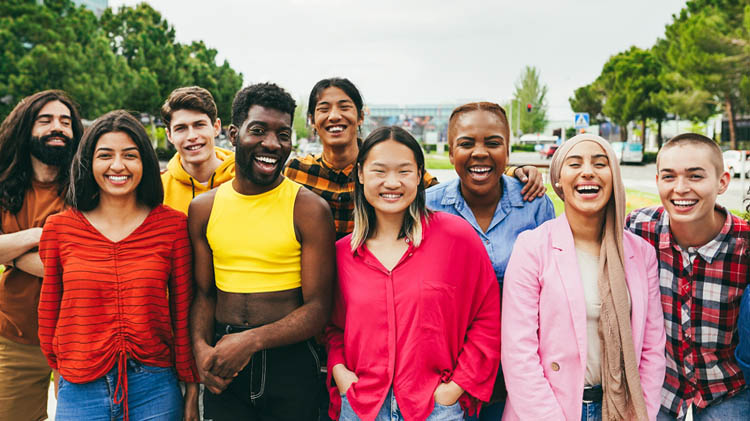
(530, 90)
(589, 99)
(125, 59)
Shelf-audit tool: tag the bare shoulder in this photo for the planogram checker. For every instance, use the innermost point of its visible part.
(200, 207)
(310, 205)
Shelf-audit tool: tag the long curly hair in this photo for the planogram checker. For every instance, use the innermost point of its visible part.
(16, 172)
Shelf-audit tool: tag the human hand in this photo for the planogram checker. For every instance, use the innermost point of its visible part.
(344, 378)
(205, 357)
(447, 394)
(533, 182)
(232, 354)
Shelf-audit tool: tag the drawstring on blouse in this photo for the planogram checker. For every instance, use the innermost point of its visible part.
(122, 383)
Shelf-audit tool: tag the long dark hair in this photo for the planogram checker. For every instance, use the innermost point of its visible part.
(364, 213)
(16, 172)
(83, 193)
(337, 82)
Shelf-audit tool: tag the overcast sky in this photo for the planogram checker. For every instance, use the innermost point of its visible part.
(420, 52)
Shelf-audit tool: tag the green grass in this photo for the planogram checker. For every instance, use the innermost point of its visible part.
(438, 162)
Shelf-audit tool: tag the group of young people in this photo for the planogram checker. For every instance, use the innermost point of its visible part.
(241, 271)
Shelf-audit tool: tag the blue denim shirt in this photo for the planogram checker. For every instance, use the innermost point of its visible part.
(512, 216)
(742, 352)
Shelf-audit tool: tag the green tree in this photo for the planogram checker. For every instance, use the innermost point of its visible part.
(709, 45)
(631, 83)
(589, 99)
(300, 120)
(530, 90)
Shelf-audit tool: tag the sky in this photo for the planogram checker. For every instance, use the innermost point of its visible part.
(419, 51)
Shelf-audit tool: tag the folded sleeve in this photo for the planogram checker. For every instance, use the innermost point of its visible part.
(51, 292)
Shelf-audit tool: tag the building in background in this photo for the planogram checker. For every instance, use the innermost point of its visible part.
(428, 123)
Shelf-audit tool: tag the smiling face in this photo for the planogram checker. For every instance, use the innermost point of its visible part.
(116, 165)
(478, 151)
(52, 134)
(263, 144)
(192, 134)
(336, 118)
(688, 182)
(390, 177)
(586, 179)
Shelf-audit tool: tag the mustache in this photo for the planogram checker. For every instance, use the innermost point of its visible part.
(60, 135)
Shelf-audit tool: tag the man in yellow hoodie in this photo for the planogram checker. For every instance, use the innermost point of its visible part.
(198, 166)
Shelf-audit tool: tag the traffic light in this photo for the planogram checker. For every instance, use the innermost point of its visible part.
(528, 108)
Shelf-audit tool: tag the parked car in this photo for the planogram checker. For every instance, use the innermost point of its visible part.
(628, 152)
(547, 151)
(733, 163)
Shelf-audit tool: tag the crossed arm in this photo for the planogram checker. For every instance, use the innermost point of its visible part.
(18, 249)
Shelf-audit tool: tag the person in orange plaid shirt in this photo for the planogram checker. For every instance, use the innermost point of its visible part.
(335, 112)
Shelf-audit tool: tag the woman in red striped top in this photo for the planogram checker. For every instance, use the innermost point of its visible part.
(113, 311)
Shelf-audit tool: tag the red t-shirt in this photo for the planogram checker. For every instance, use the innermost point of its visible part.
(435, 317)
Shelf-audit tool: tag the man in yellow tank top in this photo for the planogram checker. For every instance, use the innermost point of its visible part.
(264, 262)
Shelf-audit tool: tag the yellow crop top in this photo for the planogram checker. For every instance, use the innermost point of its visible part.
(254, 245)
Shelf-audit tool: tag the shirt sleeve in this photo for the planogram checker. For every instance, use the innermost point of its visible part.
(546, 211)
(479, 358)
(527, 386)
(51, 292)
(180, 298)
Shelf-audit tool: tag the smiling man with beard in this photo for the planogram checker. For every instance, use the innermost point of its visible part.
(264, 262)
(37, 141)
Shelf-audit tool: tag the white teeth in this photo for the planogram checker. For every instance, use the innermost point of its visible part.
(118, 177)
(684, 202)
(266, 159)
(336, 129)
(588, 188)
(480, 169)
(390, 195)
(193, 147)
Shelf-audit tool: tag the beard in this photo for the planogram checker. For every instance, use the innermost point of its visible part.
(52, 155)
(244, 164)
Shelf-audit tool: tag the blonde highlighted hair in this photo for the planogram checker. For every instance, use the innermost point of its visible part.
(365, 221)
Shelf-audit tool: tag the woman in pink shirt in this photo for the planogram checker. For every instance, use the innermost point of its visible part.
(583, 329)
(415, 331)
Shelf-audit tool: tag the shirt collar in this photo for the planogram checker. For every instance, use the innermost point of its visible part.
(327, 165)
(708, 251)
(511, 193)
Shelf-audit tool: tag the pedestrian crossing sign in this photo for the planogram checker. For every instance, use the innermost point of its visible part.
(581, 120)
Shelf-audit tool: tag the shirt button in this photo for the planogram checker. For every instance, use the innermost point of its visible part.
(555, 367)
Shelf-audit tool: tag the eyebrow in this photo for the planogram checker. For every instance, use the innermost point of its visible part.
(599, 155)
(691, 169)
(52, 115)
(104, 148)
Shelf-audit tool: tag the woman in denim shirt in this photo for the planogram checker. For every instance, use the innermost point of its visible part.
(479, 141)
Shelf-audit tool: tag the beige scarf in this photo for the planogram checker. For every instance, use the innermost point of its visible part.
(621, 382)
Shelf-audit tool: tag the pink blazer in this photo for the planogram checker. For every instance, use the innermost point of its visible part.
(544, 324)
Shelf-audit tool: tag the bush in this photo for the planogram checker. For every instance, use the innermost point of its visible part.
(522, 148)
(649, 157)
(164, 154)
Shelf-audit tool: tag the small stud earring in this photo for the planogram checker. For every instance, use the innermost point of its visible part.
(557, 185)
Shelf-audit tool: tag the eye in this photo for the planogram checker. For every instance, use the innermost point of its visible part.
(65, 122)
(667, 177)
(321, 110)
(574, 165)
(465, 144)
(44, 120)
(103, 155)
(696, 177)
(256, 131)
(131, 155)
(285, 136)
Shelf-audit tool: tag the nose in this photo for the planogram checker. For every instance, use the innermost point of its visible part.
(681, 185)
(334, 114)
(191, 134)
(271, 142)
(479, 151)
(117, 163)
(587, 169)
(392, 180)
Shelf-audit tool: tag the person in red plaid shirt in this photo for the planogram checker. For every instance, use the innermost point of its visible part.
(703, 271)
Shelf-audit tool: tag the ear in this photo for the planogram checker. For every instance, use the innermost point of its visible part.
(234, 133)
(360, 176)
(450, 152)
(217, 126)
(169, 135)
(724, 180)
(361, 117)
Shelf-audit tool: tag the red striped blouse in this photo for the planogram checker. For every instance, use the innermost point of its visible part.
(103, 302)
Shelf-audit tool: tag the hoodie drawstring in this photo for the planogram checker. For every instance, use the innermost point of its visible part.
(212, 182)
(192, 184)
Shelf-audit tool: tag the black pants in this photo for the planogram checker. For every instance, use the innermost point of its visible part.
(277, 384)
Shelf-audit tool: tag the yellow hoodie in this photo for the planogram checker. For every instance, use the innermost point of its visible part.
(180, 188)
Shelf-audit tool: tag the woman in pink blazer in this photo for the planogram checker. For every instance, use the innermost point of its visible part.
(582, 323)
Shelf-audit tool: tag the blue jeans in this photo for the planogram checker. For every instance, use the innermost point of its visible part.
(736, 408)
(592, 411)
(153, 394)
(489, 412)
(390, 411)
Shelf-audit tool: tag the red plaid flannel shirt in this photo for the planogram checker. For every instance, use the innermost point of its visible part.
(701, 289)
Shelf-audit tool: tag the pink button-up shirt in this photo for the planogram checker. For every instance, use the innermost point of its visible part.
(434, 318)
